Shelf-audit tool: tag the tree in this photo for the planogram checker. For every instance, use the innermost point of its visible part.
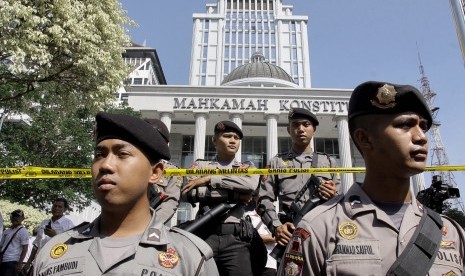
(62, 53)
(454, 214)
(52, 140)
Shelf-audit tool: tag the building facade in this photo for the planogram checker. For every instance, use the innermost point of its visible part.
(227, 35)
(458, 12)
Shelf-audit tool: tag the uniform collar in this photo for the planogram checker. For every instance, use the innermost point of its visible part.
(155, 233)
(356, 201)
(234, 162)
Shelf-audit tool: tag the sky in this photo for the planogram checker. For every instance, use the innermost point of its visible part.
(349, 42)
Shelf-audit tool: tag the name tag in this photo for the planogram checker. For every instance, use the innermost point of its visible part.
(356, 249)
(64, 267)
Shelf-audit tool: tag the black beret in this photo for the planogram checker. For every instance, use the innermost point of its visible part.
(226, 126)
(161, 127)
(302, 113)
(373, 97)
(133, 130)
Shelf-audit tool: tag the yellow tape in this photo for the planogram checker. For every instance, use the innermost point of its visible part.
(41, 173)
(57, 173)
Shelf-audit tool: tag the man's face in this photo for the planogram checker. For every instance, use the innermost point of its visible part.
(58, 208)
(121, 174)
(227, 143)
(301, 131)
(399, 142)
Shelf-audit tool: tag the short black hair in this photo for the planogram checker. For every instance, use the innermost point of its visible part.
(62, 199)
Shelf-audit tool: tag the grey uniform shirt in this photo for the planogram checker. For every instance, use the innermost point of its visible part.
(160, 251)
(286, 186)
(350, 235)
(171, 187)
(239, 183)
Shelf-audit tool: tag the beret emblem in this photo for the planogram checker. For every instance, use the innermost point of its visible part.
(385, 98)
(291, 113)
(220, 126)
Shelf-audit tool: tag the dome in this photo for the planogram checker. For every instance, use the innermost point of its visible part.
(258, 68)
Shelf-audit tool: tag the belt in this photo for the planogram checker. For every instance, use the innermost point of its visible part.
(228, 229)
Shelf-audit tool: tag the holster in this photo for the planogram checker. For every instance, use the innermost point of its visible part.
(246, 229)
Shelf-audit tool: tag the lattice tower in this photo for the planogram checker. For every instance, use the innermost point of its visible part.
(438, 151)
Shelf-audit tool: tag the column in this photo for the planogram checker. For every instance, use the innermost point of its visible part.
(344, 151)
(418, 183)
(272, 135)
(165, 117)
(199, 139)
(237, 119)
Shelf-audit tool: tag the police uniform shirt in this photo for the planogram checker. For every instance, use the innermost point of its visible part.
(160, 251)
(239, 183)
(286, 186)
(171, 187)
(350, 235)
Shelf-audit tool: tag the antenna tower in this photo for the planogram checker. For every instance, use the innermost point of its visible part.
(438, 152)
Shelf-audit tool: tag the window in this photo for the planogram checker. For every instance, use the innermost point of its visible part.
(327, 145)
(137, 81)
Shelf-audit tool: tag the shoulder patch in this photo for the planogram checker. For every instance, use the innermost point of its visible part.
(301, 233)
(203, 247)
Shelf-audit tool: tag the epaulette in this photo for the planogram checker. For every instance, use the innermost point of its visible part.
(203, 247)
(170, 164)
(248, 163)
(281, 154)
(77, 227)
(200, 159)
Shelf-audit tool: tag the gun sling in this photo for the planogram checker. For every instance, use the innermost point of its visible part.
(418, 256)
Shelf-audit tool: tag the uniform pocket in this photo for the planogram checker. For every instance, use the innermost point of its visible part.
(360, 257)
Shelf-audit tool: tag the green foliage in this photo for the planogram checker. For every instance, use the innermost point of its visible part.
(62, 53)
(54, 139)
(33, 217)
(455, 214)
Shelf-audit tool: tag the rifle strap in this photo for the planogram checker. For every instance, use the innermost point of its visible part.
(306, 186)
(419, 254)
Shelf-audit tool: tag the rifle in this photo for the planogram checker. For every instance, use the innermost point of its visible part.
(195, 226)
(155, 198)
(297, 213)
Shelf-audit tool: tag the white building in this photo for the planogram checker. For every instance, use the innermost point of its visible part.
(226, 36)
(458, 12)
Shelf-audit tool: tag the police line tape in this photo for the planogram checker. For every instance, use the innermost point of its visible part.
(54, 173)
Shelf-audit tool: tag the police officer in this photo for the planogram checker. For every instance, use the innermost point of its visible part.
(301, 128)
(168, 187)
(378, 227)
(226, 237)
(126, 238)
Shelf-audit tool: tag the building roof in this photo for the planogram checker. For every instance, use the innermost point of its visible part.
(258, 68)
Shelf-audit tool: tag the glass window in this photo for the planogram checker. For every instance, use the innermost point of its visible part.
(207, 23)
(204, 66)
(137, 80)
(294, 53)
(205, 37)
(204, 80)
(294, 39)
(226, 38)
(233, 52)
(239, 37)
(204, 52)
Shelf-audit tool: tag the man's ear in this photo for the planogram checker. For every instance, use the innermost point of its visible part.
(214, 139)
(362, 138)
(157, 172)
